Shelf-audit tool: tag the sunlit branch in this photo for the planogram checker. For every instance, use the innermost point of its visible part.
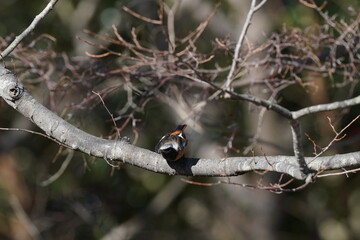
(29, 29)
(235, 61)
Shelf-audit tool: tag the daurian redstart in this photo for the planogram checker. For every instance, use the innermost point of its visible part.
(172, 145)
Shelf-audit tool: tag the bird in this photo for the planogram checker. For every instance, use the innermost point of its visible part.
(172, 145)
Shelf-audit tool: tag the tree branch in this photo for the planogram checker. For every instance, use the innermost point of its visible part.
(119, 150)
(28, 30)
(326, 107)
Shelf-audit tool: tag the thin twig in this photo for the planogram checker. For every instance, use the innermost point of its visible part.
(108, 111)
(261, 115)
(259, 5)
(61, 170)
(33, 132)
(255, 100)
(339, 173)
(28, 30)
(336, 137)
(275, 188)
(171, 26)
(252, 10)
(194, 35)
(139, 16)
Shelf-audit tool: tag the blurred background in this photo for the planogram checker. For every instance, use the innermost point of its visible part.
(48, 192)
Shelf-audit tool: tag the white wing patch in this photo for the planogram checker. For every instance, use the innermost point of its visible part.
(181, 135)
(162, 138)
(173, 145)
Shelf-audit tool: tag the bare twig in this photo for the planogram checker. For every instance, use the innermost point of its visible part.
(255, 100)
(61, 170)
(261, 115)
(171, 26)
(337, 136)
(275, 188)
(108, 111)
(32, 132)
(139, 16)
(344, 172)
(194, 35)
(29, 29)
(252, 10)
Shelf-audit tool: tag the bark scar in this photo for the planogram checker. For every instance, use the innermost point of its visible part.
(15, 92)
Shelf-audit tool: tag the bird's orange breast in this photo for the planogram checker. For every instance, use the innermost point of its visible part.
(180, 154)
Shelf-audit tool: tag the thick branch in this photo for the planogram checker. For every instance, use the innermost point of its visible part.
(298, 146)
(111, 150)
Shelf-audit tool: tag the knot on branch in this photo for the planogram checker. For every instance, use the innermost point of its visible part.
(14, 91)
